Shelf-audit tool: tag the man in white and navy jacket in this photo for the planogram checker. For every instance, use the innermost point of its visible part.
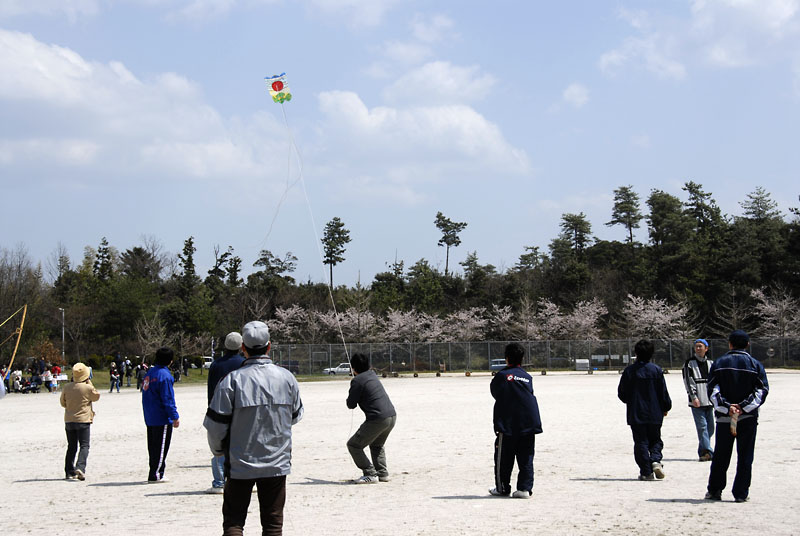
(737, 386)
(695, 378)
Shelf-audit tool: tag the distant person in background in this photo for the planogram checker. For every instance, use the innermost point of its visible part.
(643, 389)
(128, 370)
(695, 379)
(76, 399)
(516, 422)
(141, 370)
(160, 413)
(230, 360)
(738, 386)
(113, 376)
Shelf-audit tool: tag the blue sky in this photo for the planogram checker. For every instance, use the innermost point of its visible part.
(151, 117)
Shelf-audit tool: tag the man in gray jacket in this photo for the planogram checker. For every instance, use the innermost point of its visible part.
(249, 421)
(695, 379)
(367, 392)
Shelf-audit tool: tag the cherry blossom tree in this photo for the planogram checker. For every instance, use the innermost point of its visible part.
(778, 311)
(583, 323)
(655, 318)
(467, 324)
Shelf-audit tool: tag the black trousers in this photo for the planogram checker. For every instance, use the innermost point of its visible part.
(745, 448)
(158, 439)
(507, 449)
(271, 499)
(77, 434)
(647, 446)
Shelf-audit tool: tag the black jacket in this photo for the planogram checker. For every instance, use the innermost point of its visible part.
(516, 411)
(643, 389)
(367, 392)
(220, 368)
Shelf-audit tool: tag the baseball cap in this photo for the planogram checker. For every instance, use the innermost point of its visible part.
(255, 334)
(233, 341)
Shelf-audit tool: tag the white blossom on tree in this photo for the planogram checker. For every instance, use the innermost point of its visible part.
(401, 326)
(655, 319)
(778, 311)
(550, 321)
(467, 324)
(583, 322)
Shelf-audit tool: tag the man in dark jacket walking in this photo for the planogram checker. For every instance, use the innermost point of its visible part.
(230, 360)
(737, 386)
(367, 392)
(516, 423)
(643, 389)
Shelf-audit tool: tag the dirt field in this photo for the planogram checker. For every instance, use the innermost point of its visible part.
(440, 455)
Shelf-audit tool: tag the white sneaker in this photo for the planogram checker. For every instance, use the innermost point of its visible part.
(79, 474)
(366, 479)
(522, 494)
(161, 480)
(215, 491)
(658, 469)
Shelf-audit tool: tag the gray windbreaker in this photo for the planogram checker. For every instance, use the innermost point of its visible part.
(250, 419)
(695, 379)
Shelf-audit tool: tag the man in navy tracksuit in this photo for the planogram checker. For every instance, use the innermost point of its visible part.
(516, 423)
(643, 389)
(160, 413)
(737, 386)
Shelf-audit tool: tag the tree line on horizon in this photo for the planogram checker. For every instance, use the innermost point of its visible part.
(700, 273)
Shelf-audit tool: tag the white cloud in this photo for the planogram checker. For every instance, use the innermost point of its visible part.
(432, 30)
(71, 8)
(416, 145)
(406, 52)
(655, 52)
(721, 33)
(355, 12)
(102, 117)
(70, 152)
(441, 82)
(576, 95)
(641, 140)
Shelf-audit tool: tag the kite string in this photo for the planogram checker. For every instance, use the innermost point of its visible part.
(314, 227)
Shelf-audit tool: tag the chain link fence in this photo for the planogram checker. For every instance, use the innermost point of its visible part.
(309, 359)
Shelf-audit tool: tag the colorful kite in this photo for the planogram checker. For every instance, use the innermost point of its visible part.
(278, 88)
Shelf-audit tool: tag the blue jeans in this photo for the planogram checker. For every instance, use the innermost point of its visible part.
(704, 422)
(218, 471)
(77, 435)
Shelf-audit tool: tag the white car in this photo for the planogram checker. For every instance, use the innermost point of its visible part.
(342, 368)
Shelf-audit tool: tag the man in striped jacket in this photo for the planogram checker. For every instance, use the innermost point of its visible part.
(695, 377)
(737, 386)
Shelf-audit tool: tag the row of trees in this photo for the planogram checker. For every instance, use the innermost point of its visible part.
(699, 273)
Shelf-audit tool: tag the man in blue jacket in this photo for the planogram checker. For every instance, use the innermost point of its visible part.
(737, 386)
(643, 389)
(516, 423)
(229, 361)
(160, 413)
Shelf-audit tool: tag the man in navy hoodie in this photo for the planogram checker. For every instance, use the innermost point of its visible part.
(516, 423)
(737, 386)
(160, 413)
(643, 389)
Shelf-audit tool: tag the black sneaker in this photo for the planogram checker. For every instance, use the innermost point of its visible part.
(713, 496)
(741, 499)
(497, 493)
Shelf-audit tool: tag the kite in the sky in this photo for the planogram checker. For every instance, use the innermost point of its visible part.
(279, 88)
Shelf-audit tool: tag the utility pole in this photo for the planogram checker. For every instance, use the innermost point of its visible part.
(62, 335)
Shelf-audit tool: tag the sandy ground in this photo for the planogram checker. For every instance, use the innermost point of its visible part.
(440, 455)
